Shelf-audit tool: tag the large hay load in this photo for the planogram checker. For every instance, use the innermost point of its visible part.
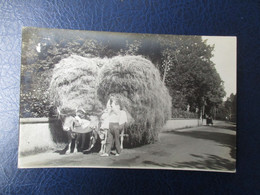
(136, 82)
(78, 82)
(74, 85)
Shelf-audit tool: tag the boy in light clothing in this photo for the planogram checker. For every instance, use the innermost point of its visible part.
(117, 119)
(103, 131)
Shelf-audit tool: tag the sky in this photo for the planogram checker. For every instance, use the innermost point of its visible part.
(225, 59)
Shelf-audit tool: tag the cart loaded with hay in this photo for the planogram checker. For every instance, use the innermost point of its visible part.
(86, 84)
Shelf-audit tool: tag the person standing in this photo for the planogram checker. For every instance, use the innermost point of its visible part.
(117, 120)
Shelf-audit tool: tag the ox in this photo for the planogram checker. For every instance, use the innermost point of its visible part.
(76, 131)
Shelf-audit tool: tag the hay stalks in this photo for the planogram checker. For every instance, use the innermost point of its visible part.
(137, 83)
(74, 84)
(134, 80)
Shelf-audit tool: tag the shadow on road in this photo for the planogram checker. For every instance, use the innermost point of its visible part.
(152, 163)
(209, 162)
(224, 139)
(231, 126)
(125, 162)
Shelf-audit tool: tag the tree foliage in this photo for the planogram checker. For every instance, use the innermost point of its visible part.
(227, 109)
(189, 72)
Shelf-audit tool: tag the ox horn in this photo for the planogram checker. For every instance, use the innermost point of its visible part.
(59, 113)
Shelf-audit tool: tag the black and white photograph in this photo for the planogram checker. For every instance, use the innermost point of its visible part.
(92, 99)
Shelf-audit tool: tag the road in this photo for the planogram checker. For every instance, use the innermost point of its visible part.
(210, 148)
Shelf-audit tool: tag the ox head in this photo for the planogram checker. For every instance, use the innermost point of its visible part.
(67, 123)
(67, 118)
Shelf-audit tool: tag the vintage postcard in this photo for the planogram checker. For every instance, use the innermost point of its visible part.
(122, 100)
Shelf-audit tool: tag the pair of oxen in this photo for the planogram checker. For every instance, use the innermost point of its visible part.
(77, 134)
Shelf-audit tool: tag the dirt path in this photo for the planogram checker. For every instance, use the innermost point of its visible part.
(203, 148)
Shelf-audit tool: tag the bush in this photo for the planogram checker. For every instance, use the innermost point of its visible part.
(178, 113)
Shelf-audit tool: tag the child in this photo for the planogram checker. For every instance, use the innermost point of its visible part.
(80, 120)
(81, 126)
(117, 119)
(104, 128)
(103, 137)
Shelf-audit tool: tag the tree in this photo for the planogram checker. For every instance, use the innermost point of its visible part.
(230, 106)
(227, 110)
(130, 48)
(189, 73)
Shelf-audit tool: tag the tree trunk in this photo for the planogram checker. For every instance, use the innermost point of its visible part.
(165, 72)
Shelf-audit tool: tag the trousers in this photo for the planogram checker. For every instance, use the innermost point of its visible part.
(113, 138)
